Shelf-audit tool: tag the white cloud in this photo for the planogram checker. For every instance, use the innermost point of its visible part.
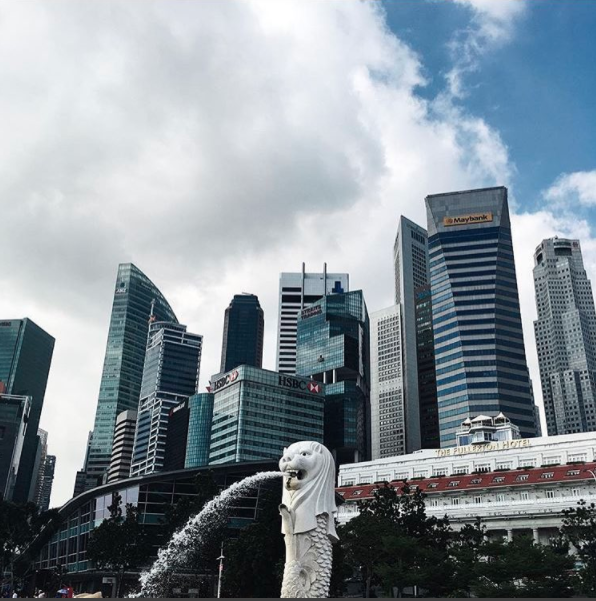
(572, 188)
(215, 144)
(493, 23)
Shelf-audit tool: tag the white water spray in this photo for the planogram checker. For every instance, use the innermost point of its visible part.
(154, 581)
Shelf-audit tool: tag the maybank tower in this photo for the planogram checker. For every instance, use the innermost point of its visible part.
(481, 363)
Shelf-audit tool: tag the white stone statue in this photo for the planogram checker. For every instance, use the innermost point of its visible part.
(307, 514)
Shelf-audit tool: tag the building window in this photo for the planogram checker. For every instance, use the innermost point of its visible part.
(573, 473)
(522, 477)
(432, 485)
(455, 501)
(525, 496)
(440, 471)
(356, 493)
(498, 479)
(477, 499)
(550, 494)
(500, 498)
(476, 481)
(454, 483)
(547, 475)
(462, 469)
(349, 482)
(575, 492)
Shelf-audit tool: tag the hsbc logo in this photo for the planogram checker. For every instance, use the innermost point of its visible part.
(227, 379)
(289, 382)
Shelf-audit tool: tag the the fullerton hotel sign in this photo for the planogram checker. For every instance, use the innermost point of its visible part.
(522, 443)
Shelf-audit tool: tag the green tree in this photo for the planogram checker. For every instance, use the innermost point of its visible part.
(119, 543)
(465, 551)
(521, 568)
(579, 529)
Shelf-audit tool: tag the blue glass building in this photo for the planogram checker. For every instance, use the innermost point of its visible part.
(199, 429)
(479, 346)
(256, 413)
(25, 357)
(170, 376)
(244, 328)
(332, 347)
(122, 374)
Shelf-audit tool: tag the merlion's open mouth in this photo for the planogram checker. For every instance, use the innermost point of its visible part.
(299, 474)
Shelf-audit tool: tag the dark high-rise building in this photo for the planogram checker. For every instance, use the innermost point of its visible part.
(176, 437)
(25, 357)
(565, 336)
(427, 379)
(47, 481)
(14, 415)
(170, 376)
(40, 462)
(244, 327)
(333, 347)
(122, 375)
(479, 345)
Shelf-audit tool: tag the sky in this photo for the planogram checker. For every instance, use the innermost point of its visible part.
(218, 143)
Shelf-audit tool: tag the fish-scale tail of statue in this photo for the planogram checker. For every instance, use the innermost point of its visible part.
(307, 511)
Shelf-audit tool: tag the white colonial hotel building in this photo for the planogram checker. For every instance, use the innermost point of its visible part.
(516, 486)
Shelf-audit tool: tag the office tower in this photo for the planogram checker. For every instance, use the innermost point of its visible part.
(39, 467)
(14, 415)
(244, 327)
(565, 336)
(387, 398)
(479, 346)
(176, 437)
(122, 373)
(124, 438)
(410, 259)
(256, 413)
(427, 378)
(333, 348)
(80, 483)
(199, 429)
(170, 376)
(297, 291)
(25, 357)
(45, 492)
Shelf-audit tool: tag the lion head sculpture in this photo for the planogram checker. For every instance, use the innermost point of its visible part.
(309, 486)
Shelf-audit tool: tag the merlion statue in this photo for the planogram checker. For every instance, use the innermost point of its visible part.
(307, 515)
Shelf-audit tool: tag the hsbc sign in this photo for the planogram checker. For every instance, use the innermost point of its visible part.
(290, 382)
(227, 379)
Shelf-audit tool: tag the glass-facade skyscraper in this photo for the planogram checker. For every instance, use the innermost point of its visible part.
(14, 415)
(25, 357)
(333, 348)
(297, 291)
(198, 440)
(565, 337)
(479, 346)
(122, 374)
(256, 413)
(244, 328)
(170, 376)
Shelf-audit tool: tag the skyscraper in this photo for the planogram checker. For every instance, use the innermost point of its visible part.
(198, 441)
(124, 359)
(387, 395)
(177, 437)
(124, 438)
(565, 337)
(479, 346)
(256, 413)
(333, 348)
(297, 291)
(14, 415)
(170, 376)
(47, 482)
(410, 259)
(427, 378)
(25, 357)
(40, 462)
(244, 327)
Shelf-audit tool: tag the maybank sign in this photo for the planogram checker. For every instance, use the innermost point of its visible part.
(468, 219)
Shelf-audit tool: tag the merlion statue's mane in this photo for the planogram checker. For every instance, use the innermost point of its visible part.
(317, 496)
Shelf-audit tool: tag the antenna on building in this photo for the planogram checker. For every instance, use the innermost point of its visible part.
(325, 276)
(151, 312)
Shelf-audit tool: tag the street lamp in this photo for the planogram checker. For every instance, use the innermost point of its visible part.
(220, 559)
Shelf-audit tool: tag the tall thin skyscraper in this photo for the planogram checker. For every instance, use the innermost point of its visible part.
(40, 462)
(170, 376)
(244, 328)
(333, 346)
(297, 291)
(565, 337)
(124, 438)
(124, 359)
(410, 259)
(25, 357)
(479, 345)
(47, 482)
(387, 394)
